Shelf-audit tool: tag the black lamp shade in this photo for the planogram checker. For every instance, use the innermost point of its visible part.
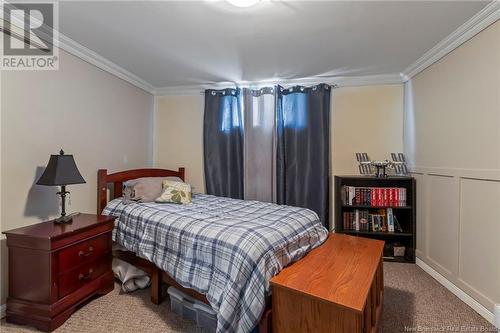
(61, 170)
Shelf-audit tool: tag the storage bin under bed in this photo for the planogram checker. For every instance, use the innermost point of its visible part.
(192, 309)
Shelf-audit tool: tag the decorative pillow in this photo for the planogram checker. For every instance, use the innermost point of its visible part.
(175, 192)
(145, 189)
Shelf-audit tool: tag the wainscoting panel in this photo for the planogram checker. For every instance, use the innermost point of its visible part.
(442, 224)
(458, 231)
(479, 265)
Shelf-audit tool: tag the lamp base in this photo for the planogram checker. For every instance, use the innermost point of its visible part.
(65, 219)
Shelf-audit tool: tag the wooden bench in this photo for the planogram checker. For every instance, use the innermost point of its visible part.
(337, 287)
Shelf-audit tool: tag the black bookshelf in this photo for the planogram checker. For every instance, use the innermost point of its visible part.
(406, 215)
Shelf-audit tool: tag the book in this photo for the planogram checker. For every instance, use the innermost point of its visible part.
(363, 221)
(390, 220)
(373, 196)
(397, 226)
(377, 225)
(351, 195)
(383, 220)
(356, 220)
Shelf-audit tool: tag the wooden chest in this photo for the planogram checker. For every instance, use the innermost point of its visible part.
(336, 288)
(53, 268)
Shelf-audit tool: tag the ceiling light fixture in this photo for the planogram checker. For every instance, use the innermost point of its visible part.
(243, 3)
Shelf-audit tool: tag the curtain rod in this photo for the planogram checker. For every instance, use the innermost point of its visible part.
(333, 86)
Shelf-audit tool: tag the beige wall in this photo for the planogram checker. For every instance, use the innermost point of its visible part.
(364, 119)
(179, 136)
(103, 121)
(452, 137)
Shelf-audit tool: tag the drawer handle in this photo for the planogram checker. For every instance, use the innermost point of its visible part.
(86, 254)
(86, 276)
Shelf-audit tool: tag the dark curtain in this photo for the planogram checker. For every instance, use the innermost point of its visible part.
(223, 143)
(303, 148)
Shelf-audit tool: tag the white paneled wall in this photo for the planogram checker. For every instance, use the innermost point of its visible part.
(458, 229)
(452, 141)
(442, 235)
(479, 246)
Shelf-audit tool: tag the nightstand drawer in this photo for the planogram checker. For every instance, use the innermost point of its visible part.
(84, 251)
(86, 273)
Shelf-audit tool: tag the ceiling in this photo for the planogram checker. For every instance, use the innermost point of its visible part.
(169, 43)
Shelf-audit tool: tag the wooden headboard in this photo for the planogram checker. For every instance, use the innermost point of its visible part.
(117, 179)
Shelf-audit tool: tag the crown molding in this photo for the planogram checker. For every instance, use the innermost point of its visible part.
(80, 51)
(487, 16)
(341, 81)
(67, 44)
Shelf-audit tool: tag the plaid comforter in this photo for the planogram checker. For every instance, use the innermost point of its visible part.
(224, 248)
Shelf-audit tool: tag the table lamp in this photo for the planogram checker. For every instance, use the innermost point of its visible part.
(61, 171)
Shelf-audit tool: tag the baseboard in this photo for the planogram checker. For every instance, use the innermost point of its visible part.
(475, 305)
(3, 307)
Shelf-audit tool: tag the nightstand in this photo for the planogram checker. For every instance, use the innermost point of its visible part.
(54, 268)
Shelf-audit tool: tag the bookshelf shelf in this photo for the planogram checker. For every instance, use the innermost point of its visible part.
(375, 207)
(405, 215)
(379, 233)
(395, 259)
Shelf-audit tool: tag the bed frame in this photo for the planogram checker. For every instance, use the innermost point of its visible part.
(114, 183)
(344, 266)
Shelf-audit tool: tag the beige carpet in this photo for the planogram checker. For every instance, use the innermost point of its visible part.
(413, 300)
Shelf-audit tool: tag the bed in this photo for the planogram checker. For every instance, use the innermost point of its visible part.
(221, 251)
